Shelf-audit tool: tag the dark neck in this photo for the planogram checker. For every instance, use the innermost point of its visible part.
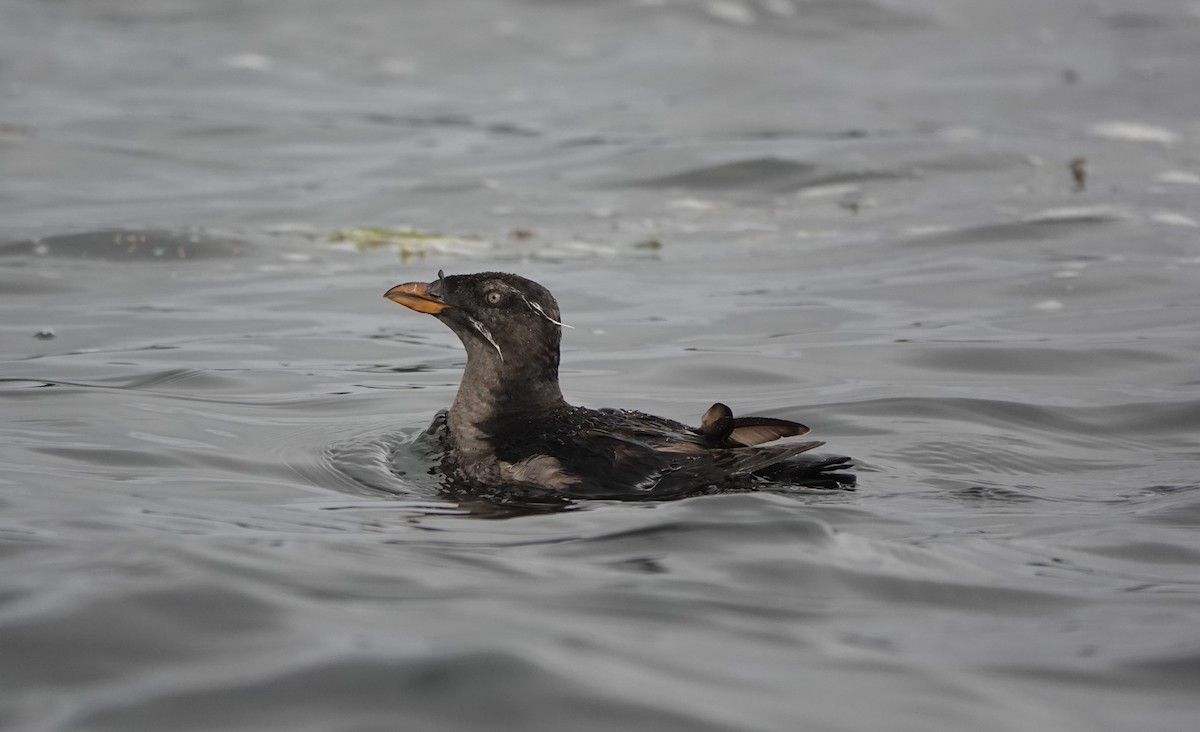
(493, 389)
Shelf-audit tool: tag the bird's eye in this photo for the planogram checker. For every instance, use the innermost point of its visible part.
(493, 298)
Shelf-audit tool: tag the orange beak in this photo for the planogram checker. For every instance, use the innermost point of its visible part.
(415, 296)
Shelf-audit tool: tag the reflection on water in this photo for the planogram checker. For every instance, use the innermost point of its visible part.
(219, 502)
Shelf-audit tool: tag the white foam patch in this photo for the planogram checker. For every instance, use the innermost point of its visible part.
(780, 8)
(926, 229)
(248, 61)
(691, 204)
(729, 11)
(1078, 213)
(831, 191)
(1173, 219)
(1134, 132)
(960, 134)
(1178, 177)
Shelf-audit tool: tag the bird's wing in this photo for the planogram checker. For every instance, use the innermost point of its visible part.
(620, 466)
(749, 431)
(631, 456)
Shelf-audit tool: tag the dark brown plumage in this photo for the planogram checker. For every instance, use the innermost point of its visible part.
(510, 428)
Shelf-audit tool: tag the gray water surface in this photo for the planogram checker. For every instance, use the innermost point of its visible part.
(214, 510)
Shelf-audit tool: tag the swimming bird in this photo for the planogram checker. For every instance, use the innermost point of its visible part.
(510, 427)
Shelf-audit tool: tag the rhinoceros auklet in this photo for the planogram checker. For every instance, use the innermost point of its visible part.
(509, 426)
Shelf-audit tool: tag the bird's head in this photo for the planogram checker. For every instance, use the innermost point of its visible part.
(502, 319)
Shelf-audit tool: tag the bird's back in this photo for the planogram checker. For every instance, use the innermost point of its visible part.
(630, 455)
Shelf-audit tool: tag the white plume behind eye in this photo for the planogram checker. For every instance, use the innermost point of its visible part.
(487, 335)
(538, 309)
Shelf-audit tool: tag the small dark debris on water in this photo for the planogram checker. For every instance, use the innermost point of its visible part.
(45, 334)
(1070, 76)
(521, 234)
(851, 204)
(649, 244)
(1079, 173)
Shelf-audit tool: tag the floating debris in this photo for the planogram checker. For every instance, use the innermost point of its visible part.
(521, 234)
(408, 243)
(854, 203)
(574, 249)
(1079, 174)
(45, 334)
(373, 237)
(649, 244)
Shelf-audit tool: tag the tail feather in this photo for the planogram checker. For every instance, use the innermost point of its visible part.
(813, 471)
